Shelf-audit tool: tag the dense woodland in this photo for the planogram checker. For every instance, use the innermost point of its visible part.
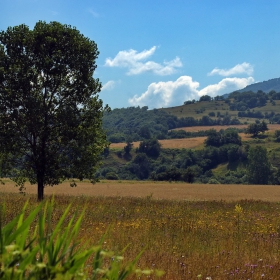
(137, 124)
(221, 148)
(150, 161)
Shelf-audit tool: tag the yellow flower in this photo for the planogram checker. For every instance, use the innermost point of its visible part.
(238, 209)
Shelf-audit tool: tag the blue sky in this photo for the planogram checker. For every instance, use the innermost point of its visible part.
(161, 53)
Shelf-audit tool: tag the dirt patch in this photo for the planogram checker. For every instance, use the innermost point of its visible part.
(160, 190)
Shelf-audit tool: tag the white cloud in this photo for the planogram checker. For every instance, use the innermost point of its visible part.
(174, 93)
(135, 62)
(244, 68)
(225, 86)
(171, 93)
(109, 85)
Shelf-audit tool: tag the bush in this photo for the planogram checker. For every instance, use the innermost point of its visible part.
(112, 176)
(213, 181)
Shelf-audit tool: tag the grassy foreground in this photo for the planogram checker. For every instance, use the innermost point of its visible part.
(188, 240)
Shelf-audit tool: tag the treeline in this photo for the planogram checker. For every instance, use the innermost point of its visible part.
(136, 124)
(244, 102)
(151, 162)
(241, 101)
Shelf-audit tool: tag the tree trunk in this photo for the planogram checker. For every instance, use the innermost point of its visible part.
(40, 188)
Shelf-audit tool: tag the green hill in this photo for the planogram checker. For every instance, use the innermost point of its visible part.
(265, 86)
(224, 163)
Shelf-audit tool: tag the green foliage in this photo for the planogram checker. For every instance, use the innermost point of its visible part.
(48, 251)
(111, 176)
(217, 139)
(128, 147)
(277, 135)
(180, 164)
(140, 166)
(253, 114)
(189, 102)
(213, 138)
(190, 174)
(233, 177)
(205, 98)
(50, 114)
(150, 147)
(247, 100)
(136, 123)
(141, 124)
(213, 181)
(169, 174)
(258, 168)
(230, 136)
(256, 128)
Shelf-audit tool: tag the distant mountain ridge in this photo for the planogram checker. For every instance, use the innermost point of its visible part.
(265, 86)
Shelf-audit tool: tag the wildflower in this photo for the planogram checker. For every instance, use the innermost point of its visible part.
(238, 209)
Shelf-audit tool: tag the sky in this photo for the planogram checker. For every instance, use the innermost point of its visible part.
(161, 53)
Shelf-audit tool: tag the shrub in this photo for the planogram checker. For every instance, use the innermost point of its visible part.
(213, 181)
(112, 176)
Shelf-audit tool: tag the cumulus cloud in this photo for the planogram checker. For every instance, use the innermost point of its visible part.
(174, 93)
(136, 64)
(109, 85)
(244, 68)
(171, 93)
(225, 86)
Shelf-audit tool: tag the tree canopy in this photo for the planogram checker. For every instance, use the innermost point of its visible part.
(256, 128)
(50, 112)
(258, 168)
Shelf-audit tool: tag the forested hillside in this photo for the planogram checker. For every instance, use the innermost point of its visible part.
(136, 124)
(224, 158)
(266, 86)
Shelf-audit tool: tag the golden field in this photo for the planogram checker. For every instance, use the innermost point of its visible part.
(158, 190)
(187, 143)
(191, 143)
(189, 231)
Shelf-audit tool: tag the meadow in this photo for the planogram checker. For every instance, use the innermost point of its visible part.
(191, 143)
(221, 232)
(200, 109)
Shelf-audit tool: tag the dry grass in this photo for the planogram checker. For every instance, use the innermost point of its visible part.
(191, 143)
(187, 239)
(159, 190)
(215, 106)
(216, 127)
(187, 143)
(271, 127)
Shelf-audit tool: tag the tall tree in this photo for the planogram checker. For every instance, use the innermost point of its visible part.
(256, 128)
(50, 113)
(258, 168)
